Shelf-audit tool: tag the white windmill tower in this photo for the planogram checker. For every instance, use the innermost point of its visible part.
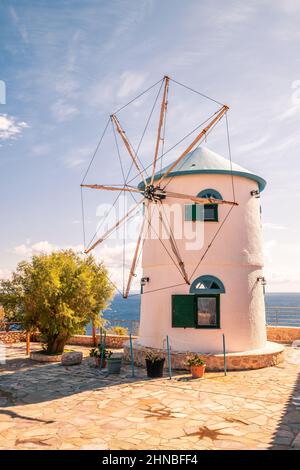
(197, 295)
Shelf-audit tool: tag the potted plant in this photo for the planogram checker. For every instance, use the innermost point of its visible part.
(197, 366)
(154, 364)
(96, 354)
(114, 364)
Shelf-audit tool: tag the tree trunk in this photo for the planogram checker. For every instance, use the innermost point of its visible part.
(56, 345)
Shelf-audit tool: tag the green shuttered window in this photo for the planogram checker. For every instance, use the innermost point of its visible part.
(194, 212)
(196, 311)
(183, 311)
(211, 213)
(206, 212)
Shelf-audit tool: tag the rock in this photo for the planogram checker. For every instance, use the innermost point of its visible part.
(296, 442)
(41, 356)
(71, 358)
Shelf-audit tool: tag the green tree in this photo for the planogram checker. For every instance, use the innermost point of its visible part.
(58, 294)
(1, 314)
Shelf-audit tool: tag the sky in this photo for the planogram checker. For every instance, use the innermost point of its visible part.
(68, 64)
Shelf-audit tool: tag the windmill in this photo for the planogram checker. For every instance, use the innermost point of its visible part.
(153, 189)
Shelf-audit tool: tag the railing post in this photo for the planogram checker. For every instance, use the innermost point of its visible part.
(169, 358)
(131, 356)
(27, 343)
(100, 339)
(224, 354)
(102, 354)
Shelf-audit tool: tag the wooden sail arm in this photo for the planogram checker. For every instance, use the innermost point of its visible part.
(134, 261)
(219, 115)
(114, 227)
(131, 189)
(175, 249)
(128, 146)
(163, 110)
(199, 200)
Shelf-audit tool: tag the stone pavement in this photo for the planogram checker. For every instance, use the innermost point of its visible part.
(50, 406)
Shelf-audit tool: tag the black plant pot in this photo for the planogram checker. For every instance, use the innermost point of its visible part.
(155, 369)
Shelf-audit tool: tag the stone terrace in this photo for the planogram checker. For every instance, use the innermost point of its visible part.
(49, 406)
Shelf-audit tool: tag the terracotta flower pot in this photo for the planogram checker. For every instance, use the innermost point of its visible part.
(97, 362)
(198, 371)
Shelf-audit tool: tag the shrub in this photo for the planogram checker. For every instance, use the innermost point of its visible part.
(195, 360)
(58, 294)
(154, 356)
(119, 330)
(96, 352)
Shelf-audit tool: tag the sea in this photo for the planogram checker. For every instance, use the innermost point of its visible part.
(126, 312)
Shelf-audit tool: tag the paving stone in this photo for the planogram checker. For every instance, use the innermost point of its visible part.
(47, 406)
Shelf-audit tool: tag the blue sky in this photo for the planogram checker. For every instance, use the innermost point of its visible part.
(68, 64)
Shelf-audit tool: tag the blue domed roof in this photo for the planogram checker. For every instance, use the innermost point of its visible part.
(205, 161)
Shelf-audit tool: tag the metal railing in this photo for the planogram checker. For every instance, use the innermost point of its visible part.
(283, 316)
(131, 325)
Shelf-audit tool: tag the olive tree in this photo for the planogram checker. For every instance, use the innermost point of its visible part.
(58, 294)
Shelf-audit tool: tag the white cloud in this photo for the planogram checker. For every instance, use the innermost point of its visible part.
(112, 256)
(78, 157)
(44, 246)
(127, 15)
(282, 280)
(255, 144)
(235, 14)
(4, 274)
(294, 99)
(64, 111)
(19, 25)
(10, 128)
(288, 6)
(290, 112)
(270, 225)
(125, 86)
(268, 249)
(67, 86)
(40, 149)
(130, 83)
(281, 266)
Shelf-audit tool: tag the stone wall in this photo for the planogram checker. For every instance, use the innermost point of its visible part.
(283, 334)
(10, 337)
(271, 355)
(112, 341)
(278, 334)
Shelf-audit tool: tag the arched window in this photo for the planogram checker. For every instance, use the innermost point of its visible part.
(210, 193)
(210, 210)
(200, 308)
(207, 285)
(194, 212)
